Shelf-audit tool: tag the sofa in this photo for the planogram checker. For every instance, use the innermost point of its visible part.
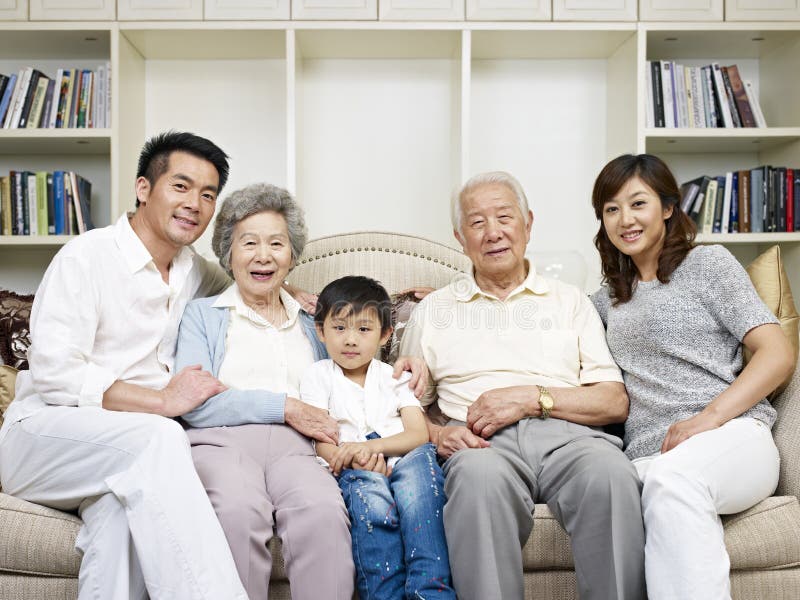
(38, 559)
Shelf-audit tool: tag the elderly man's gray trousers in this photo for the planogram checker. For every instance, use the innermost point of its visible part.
(589, 485)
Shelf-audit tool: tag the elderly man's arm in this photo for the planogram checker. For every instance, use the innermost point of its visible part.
(599, 403)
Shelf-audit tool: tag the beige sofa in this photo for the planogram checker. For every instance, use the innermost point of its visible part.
(38, 559)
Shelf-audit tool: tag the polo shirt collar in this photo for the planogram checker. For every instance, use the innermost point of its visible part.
(135, 253)
(465, 288)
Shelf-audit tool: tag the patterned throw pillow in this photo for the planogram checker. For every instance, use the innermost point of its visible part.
(15, 315)
(402, 306)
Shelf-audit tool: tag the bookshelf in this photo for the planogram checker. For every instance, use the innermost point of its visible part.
(374, 123)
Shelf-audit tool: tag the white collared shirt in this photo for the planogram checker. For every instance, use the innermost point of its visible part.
(359, 410)
(258, 355)
(545, 332)
(103, 314)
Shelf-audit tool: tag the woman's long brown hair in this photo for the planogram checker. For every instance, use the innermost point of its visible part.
(618, 269)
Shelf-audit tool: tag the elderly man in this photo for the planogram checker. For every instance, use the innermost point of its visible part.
(521, 368)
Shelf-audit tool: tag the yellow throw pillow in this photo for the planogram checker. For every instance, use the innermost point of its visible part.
(772, 284)
(8, 378)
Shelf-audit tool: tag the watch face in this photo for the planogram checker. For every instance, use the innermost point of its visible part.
(546, 402)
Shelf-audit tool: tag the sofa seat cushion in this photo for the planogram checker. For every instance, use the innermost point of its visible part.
(548, 546)
(766, 536)
(37, 540)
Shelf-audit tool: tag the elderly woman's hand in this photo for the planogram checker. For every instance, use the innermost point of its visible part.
(311, 421)
(419, 373)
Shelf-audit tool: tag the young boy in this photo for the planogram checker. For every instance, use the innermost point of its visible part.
(399, 548)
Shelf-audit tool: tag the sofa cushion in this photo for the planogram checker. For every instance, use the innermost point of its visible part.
(37, 540)
(766, 536)
(772, 285)
(548, 546)
(8, 379)
(15, 315)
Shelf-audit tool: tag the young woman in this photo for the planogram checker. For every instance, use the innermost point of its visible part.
(699, 428)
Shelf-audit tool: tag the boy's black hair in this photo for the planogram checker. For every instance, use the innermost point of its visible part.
(353, 294)
(154, 158)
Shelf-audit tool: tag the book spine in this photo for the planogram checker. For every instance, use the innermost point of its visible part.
(35, 115)
(721, 96)
(711, 104)
(83, 101)
(33, 87)
(726, 82)
(56, 101)
(754, 104)
(22, 84)
(72, 73)
(725, 217)
(76, 201)
(668, 93)
(740, 96)
(28, 216)
(5, 198)
(58, 201)
(48, 104)
(76, 91)
(789, 199)
(649, 114)
(658, 94)
(769, 200)
(780, 199)
(679, 78)
(744, 201)
(51, 210)
(733, 225)
(41, 203)
(709, 206)
(7, 95)
(756, 201)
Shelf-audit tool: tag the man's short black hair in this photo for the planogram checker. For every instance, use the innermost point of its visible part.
(154, 158)
(353, 294)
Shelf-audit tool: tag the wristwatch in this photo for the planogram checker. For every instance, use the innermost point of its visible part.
(545, 401)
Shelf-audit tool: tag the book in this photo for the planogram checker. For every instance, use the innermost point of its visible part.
(740, 97)
(681, 99)
(56, 99)
(706, 224)
(33, 90)
(780, 198)
(40, 183)
(757, 200)
(744, 201)
(699, 201)
(790, 199)
(51, 213)
(727, 194)
(76, 98)
(48, 104)
(658, 94)
(17, 203)
(4, 79)
(23, 80)
(772, 200)
(62, 98)
(649, 115)
(68, 96)
(754, 104)
(37, 105)
(81, 120)
(733, 225)
(59, 202)
(796, 203)
(726, 82)
(33, 203)
(709, 103)
(719, 205)
(689, 191)
(5, 205)
(6, 98)
(721, 98)
(668, 92)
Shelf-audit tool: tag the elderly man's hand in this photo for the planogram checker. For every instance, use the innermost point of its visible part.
(452, 438)
(419, 373)
(501, 407)
(311, 421)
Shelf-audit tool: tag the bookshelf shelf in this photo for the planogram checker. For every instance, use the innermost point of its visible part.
(55, 141)
(35, 241)
(691, 141)
(749, 238)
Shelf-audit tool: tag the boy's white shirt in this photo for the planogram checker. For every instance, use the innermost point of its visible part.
(359, 411)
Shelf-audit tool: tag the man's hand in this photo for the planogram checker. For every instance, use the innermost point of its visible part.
(419, 292)
(682, 430)
(452, 438)
(189, 389)
(307, 300)
(311, 421)
(501, 407)
(419, 373)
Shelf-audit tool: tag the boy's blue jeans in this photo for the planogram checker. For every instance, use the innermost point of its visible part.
(399, 548)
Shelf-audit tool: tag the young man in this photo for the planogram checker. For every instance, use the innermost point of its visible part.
(89, 428)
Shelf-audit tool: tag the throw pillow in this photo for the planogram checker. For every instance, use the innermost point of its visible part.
(402, 306)
(772, 284)
(15, 315)
(8, 378)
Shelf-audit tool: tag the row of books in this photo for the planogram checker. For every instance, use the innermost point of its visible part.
(698, 97)
(43, 203)
(73, 98)
(764, 199)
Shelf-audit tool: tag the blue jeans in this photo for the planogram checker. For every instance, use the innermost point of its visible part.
(399, 548)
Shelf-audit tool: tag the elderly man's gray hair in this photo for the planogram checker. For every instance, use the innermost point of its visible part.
(249, 201)
(481, 179)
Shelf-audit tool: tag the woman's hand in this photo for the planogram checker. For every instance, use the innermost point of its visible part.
(311, 421)
(682, 430)
(419, 373)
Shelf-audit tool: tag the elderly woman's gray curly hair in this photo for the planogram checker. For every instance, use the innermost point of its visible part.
(249, 201)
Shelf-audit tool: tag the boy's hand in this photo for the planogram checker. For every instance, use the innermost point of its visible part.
(419, 373)
(376, 464)
(349, 455)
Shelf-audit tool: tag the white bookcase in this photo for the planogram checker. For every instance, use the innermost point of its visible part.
(73, 10)
(13, 10)
(373, 124)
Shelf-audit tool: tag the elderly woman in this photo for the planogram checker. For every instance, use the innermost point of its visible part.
(249, 442)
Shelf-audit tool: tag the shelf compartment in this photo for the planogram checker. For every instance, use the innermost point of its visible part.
(55, 141)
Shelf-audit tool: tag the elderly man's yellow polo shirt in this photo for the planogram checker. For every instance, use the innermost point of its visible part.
(545, 332)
